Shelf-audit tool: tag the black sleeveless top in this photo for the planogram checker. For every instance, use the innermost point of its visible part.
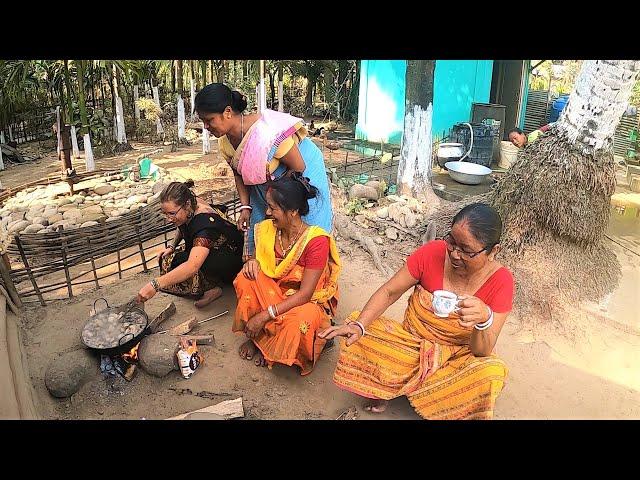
(223, 234)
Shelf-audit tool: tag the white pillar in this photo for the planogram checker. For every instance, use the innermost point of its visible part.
(135, 102)
(258, 102)
(122, 135)
(58, 148)
(181, 118)
(2, 137)
(115, 127)
(88, 154)
(193, 100)
(280, 96)
(10, 133)
(206, 141)
(263, 95)
(156, 98)
(1, 161)
(74, 142)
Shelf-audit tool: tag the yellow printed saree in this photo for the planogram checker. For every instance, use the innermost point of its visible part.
(426, 358)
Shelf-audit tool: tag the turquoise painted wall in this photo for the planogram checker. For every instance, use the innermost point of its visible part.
(381, 113)
(457, 84)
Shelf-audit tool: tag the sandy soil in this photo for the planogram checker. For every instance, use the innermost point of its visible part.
(590, 374)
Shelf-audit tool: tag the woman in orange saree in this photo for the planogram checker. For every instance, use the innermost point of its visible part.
(290, 290)
(444, 364)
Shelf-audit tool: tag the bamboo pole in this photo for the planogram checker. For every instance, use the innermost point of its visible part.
(26, 264)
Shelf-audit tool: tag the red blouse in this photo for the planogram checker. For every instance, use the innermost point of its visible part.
(426, 265)
(315, 254)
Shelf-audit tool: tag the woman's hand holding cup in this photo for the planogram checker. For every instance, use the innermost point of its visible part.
(471, 311)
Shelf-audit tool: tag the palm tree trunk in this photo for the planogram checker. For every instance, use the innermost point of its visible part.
(272, 87)
(329, 87)
(67, 82)
(81, 98)
(194, 72)
(203, 76)
(179, 76)
(308, 99)
(173, 77)
(600, 97)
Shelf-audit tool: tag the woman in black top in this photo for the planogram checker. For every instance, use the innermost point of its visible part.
(211, 254)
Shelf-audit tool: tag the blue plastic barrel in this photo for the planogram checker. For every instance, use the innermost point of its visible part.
(557, 106)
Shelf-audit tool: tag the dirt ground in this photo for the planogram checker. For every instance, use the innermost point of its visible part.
(592, 375)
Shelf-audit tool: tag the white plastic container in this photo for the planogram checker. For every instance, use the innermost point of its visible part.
(508, 154)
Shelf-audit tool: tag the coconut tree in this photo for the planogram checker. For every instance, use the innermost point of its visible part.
(555, 199)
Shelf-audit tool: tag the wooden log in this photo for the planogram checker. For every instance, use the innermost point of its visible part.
(226, 410)
(182, 328)
(200, 339)
(66, 268)
(144, 261)
(165, 314)
(93, 264)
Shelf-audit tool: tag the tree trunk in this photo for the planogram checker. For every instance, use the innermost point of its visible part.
(213, 71)
(308, 98)
(342, 93)
(203, 76)
(272, 87)
(600, 97)
(173, 78)
(194, 72)
(280, 86)
(112, 90)
(67, 82)
(351, 108)
(222, 73)
(414, 170)
(179, 76)
(82, 98)
(329, 87)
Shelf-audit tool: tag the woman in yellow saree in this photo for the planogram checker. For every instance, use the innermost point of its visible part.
(444, 364)
(290, 290)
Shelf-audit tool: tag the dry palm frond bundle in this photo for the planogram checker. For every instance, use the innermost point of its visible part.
(554, 187)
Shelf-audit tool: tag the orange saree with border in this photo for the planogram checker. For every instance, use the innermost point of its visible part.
(291, 338)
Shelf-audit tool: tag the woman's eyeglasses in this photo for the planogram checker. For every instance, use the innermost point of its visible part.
(172, 214)
(451, 246)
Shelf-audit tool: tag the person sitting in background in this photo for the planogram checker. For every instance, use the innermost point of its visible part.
(519, 139)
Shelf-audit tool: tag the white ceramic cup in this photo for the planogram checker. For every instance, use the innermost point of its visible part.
(444, 302)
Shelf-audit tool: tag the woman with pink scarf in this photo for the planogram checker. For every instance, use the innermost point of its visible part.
(260, 147)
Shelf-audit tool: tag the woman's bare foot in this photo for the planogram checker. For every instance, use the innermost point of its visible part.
(248, 350)
(260, 361)
(376, 406)
(208, 297)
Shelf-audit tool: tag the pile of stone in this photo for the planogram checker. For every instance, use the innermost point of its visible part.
(47, 208)
(391, 214)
